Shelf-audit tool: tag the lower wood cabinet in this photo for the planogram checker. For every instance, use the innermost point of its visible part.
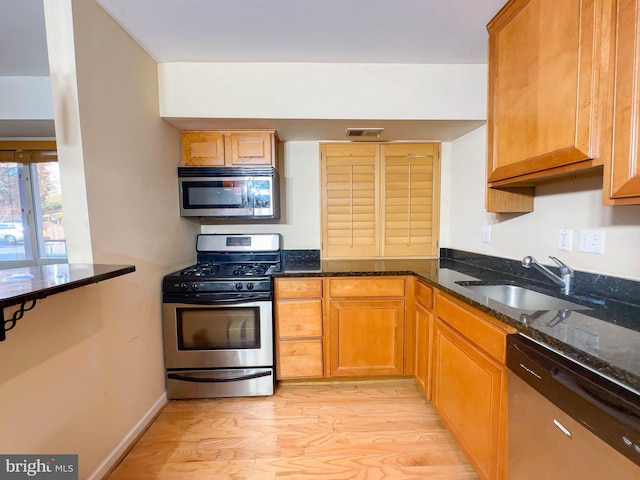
(299, 359)
(299, 328)
(469, 390)
(362, 333)
(423, 326)
(467, 394)
(421, 373)
(367, 337)
(366, 324)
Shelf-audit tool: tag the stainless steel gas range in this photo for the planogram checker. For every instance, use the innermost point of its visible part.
(217, 319)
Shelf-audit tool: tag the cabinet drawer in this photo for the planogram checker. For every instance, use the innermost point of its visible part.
(424, 295)
(490, 338)
(304, 288)
(299, 318)
(299, 359)
(371, 287)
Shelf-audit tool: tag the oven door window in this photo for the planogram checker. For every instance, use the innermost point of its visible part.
(216, 194)
(218, 328)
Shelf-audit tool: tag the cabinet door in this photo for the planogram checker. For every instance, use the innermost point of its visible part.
(349, 206)
(250, 149)
(545, 91)
(202, 149)
(622, 168)
(469, 395)
(423, 322)
(410, 197)
(367, 337)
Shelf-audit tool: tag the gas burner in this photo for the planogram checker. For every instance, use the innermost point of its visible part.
(249, 270)
(201, 270)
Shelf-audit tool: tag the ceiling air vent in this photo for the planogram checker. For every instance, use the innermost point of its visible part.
(363, 133)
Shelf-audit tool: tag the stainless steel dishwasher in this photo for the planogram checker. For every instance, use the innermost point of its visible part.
(566, 421)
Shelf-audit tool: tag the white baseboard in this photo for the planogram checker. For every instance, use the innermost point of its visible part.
(110, 461)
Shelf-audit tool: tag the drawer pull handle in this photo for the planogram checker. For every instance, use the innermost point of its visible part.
(528, 370)
(562, 428)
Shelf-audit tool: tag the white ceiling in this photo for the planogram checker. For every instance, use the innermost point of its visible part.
(23, 43)
(334, 31)
(340, 31)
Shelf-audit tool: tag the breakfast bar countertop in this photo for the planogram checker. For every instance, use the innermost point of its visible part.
(24, 286)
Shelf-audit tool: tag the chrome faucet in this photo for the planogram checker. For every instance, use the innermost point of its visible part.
(566, 272)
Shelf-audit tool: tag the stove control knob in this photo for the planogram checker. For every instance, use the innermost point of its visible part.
(184, 286)
(238, 286)
(195, 287)
(249, 286)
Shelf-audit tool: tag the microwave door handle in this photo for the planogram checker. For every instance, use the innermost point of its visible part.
(248, 193)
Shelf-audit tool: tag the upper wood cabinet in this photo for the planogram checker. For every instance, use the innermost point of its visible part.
(622, 165)
(380, 200)
(229, 148)
(547, 94)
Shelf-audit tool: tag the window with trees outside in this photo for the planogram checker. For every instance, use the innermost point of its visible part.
(31, 215)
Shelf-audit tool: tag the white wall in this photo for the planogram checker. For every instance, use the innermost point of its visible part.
(316, 91)
(571, 204)
(323, 91)
(84, 368)
(300, 222)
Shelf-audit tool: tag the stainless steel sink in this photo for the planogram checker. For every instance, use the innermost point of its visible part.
(522, 298)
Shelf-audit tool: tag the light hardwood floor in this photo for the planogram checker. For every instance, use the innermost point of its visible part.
(363, 430)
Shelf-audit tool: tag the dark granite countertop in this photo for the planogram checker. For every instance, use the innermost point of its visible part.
(604, 337)
(19, 286)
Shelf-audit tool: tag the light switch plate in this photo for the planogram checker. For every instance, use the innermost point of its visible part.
(591, 241)
(486, 234)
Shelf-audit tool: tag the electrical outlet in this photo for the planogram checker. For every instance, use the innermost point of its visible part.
(486, 234)
(565, 240)
(591, 241)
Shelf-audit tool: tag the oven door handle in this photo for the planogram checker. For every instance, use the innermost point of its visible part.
(242, 297)
(218, 299)
(185, 378)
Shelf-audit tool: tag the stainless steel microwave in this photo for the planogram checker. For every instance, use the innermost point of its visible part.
(229, 192)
